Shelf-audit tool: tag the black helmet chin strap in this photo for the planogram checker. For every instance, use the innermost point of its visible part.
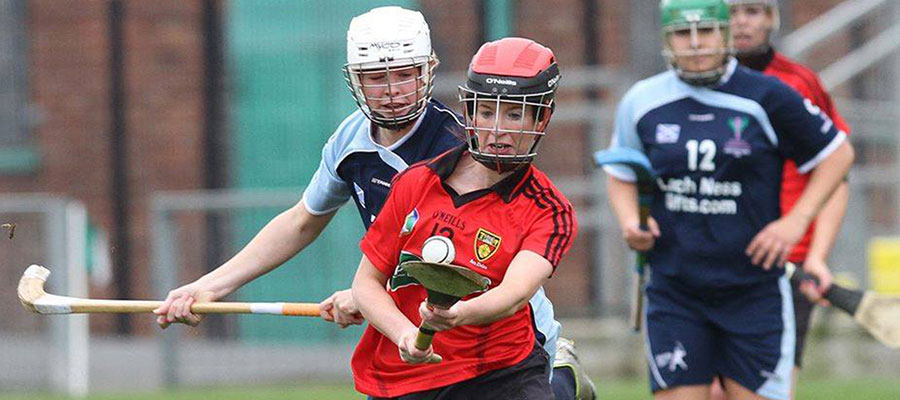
(497, 164)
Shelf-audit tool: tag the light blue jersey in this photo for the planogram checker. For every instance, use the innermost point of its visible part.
(355, 166)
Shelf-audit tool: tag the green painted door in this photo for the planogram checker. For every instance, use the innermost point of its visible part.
(288, 95)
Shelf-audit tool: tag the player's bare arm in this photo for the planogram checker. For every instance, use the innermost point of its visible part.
(282, 238)
(377, 306)
(623, 197)
(526, 273)
(828, 224)
(772, 245)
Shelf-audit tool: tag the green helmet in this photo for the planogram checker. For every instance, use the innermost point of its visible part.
(694, 15)
(680, 14)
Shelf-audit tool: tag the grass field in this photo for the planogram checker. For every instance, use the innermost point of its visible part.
(876, 389)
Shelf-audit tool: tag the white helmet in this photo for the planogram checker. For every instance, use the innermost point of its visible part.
(387, 39)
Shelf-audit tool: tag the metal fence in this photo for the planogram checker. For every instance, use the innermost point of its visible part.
(252, 348)
(40, 352)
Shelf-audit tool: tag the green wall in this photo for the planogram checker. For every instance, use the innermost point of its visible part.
(287, 96)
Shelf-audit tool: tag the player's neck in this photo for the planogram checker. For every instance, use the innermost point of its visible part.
(757, 58)
(471, 175)
(387, 137)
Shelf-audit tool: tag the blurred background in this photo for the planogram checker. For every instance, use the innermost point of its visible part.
(142, 143)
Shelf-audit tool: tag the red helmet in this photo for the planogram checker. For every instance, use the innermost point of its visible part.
(508, 78)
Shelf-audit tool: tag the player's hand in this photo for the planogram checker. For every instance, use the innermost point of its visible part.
(639, 239)
(341, 309)
(177, 306)
(410, 354)
(819, 269)
(441, 320)
(771, 246)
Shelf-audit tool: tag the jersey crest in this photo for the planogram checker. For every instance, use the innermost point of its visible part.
(486, 244)
(737, 146)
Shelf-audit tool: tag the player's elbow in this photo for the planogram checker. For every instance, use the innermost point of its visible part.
(844, 156)
(851, 152)
(519, 300)
(367, 283)
(307, 225)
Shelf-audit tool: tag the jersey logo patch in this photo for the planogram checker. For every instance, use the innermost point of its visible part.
(486, 244)
(410, 222)
(360, 194)
(667, 133)
(737, 146)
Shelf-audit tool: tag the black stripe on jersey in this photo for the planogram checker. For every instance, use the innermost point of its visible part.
(541, 199)
(561, 226)
(567, 216)
(528, 191)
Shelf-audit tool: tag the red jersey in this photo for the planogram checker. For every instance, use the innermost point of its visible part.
(804, 81)
(488, 228)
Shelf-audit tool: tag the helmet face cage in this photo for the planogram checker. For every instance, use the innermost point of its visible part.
(477, 127)
(370, 105)
(699, 77)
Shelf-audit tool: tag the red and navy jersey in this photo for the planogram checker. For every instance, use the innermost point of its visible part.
(805, 82)
(488, 227)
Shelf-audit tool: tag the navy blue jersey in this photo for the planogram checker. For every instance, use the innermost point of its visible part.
(718, 154)
(354, 165)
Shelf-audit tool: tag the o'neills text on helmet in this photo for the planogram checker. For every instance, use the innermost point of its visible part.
(552, 82)
(386, 45)
(497, 81)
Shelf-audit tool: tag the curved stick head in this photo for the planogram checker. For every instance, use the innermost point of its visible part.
(445, 283)
(31, 286)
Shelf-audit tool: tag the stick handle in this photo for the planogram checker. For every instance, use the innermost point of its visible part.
(839, 296)
(637, 310)
(424, 337)
(141, 306)
(423, 342)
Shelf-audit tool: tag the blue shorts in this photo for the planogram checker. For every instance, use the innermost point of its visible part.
(744, 333)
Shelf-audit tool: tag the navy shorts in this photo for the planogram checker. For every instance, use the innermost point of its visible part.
(743, 333)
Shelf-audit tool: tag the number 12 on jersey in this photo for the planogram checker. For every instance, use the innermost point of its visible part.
(705, 148)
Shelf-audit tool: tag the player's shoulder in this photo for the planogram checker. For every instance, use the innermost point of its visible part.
(761, 88)
(443, 113)
(749, 80)
(351, 134)
(419, 172)
(792, 71)
(446, 128)
(539, 189)
(653, 86)
(786, 64)
(650, 94)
